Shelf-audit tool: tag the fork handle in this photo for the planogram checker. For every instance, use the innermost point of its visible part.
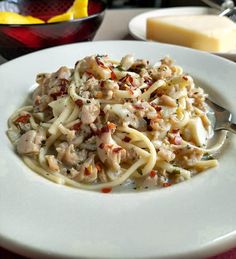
(232, 128)
(212, 4)
(227, 126)
(226, 4)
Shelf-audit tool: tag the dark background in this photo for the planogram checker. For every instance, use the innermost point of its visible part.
(155, 3)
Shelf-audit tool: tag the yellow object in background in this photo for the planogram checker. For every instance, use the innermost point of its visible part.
(79, 9)
(15, 18)
(61, 17)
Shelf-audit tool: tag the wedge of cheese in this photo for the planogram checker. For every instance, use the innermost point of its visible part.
(204, 32)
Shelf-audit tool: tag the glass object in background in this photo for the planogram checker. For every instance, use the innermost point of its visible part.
(226, 8)
(16, 40)
(133, 3)
(170, 3)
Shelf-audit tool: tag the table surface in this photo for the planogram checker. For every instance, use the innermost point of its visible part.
(119, 19)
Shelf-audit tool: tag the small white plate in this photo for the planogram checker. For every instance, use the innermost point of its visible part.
(39, 218)
(137, 25)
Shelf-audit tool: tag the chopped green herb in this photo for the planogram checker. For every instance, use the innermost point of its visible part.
(188, 147)
(176, 171)
(120, 68)
(207, 157)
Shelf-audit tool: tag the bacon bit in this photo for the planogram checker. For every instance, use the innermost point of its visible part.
(102, 145)
(121, 86)
(99, 167)
(166, 184)
(127, 79)
(185, 78)
(113, 75)
(79, 102)
(149, 127)
(148, 81)
(126, 139)
(102, 113)
(102, 84)
(117, 149)
(138, 107)
(130, 79)
(106, 190)
(64, 82)
(97, 132)
(175, 131)
(152, 174)
(87, 172)
(76, 126)
(104, 129)
(156, 107)
(111, 125)
(55, 95)
(23, 118)
(153, 94)
(99, 62)
(123, 79)
(62, 91)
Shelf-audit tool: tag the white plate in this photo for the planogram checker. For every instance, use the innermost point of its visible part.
(191, 219)
(137, 25)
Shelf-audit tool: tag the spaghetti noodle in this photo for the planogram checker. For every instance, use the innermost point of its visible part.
(107, 122)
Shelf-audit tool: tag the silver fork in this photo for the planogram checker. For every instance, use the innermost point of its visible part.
(223, 117)
(227, 8)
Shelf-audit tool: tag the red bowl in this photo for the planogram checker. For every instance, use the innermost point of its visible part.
(17, 40)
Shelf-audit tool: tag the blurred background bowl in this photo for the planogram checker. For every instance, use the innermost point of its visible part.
(17, 40)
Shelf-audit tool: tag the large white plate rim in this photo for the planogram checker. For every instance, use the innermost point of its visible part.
(139, 224)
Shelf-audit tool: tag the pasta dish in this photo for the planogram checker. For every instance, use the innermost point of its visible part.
(105, 123)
